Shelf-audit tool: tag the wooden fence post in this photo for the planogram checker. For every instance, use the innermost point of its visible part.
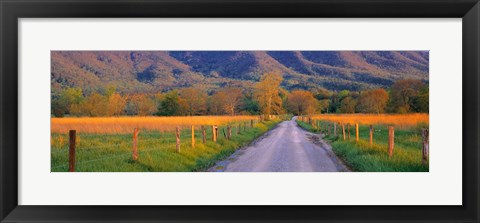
(238, 129)
(251, 123)
(229, 132)
(371, 134)
(177, 136)
(391, 140)
(193, 136)
(335, 129)
(425, 146)
(214, 133)
(343, 130)
(135, 144)
(224, 134)
(328, 128)
(348, 131)
(356, 132)
(71, 150)
(204, 135)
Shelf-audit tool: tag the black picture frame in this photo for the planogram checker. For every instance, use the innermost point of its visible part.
(11, 11)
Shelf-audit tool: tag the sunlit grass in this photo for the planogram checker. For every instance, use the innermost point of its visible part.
(116, 125)
(361, 156)
(398, 120)
(113, 152)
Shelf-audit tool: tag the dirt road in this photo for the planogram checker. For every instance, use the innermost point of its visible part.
(286, 148)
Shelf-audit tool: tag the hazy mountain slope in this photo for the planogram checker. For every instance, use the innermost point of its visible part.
(151, 71)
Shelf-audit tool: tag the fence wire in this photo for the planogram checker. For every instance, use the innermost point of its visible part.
(81, 149)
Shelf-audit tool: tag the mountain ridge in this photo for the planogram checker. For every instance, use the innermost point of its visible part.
(153, 71)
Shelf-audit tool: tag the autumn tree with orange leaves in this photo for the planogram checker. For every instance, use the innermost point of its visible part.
(302, 102)
(193, 101)
(372, 101)
(234, 98)
(141, 105)
(116, 104)
(264, 97)
(267, 93)
(216, 101)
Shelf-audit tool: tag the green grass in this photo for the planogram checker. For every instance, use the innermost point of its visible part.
(361, 156)
(113, 153)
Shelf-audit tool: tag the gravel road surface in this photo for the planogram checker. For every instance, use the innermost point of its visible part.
(286, 148)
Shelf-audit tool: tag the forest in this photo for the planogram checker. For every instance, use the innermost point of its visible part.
(265, 97)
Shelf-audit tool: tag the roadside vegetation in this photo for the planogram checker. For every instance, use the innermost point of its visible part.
(363, 157)
(157, 150)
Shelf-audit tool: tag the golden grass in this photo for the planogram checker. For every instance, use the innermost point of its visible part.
(116, 125)
(400, 120)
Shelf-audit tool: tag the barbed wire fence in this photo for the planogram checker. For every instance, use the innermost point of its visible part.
(343, 129)
(75, 155)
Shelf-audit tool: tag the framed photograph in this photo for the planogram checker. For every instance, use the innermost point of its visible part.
(232, 111)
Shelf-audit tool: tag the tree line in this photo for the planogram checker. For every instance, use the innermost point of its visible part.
(267, 97)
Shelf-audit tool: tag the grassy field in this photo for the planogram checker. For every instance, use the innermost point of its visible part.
(361, 156)
(115, 125)
(398, 120)
(108, 152)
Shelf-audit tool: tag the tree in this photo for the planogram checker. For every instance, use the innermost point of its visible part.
(110, 90)
(141, 105)
(334, 103)
(216, 101)
(169, 104)
(116, 104)
(267, 93)
(403, 94)
(324, 105)
(322, 93)
(226, 101)
(421, 102)
(348, 105)
(249, 104)
(302, 102)
(194, 101)
(94, 105)
(283, 94)
(63, 101)
(372, 101)
(57, 109)
(343, 94)
(235, 98)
